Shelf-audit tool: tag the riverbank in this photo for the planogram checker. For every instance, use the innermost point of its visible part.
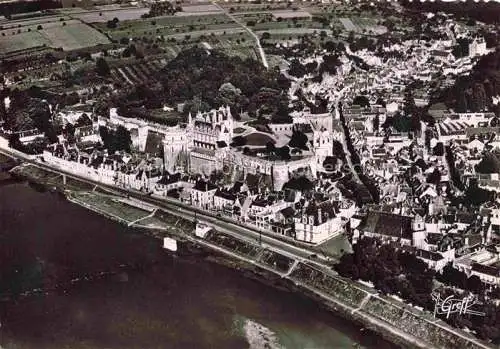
(400, 324)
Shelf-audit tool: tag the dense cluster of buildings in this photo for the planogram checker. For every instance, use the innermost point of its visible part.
(237, 170)
(416, 187)
(198, 163)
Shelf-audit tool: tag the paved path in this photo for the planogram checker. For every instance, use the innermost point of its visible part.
(142, 218)
(243, 25)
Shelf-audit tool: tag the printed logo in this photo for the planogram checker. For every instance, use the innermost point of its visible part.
(452, 305)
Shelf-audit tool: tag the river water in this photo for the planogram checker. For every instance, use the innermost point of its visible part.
(160, 302)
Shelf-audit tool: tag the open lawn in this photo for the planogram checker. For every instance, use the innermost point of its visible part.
(110, 205)
(258, 139)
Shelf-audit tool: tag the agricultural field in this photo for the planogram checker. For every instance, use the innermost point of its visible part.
(289, 14)
(104, 15)
(264, 22)
(137, 73)
(68, 35)
(294, 31)
(249, 7)
(74, 37)
(23, 41)
(200, 8)
(348, 24)
(242, 51)
(170, 26)
(360, 24)
(32, 22)
(29, 25)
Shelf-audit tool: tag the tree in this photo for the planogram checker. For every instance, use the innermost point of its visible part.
(475, 196)
(113, 23)
(39, 27)
(330, 46)
(376, 123)
(475, 285)
(270, 147)
(490, 163)
(239, 141)
(296, 68)
(102, 67)
(283, 153)
(409, 104)
(434, 177)
(329, 64)
(362, 101)
(380, 101)
(439, 149)
(298, 140)
(123, 139)
(299, 183)
(14, 142)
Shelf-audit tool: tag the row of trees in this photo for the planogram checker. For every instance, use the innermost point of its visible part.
(394, 271)
(453, 277)
(27, 113)
(474, 92)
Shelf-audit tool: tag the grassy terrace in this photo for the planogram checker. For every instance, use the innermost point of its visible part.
(413, 324)
(332, 286)
(235, 245)
(177, 225)
(35, 173)
(109, 205)
(276, 261)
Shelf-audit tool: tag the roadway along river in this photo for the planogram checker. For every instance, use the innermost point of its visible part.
(155, 301)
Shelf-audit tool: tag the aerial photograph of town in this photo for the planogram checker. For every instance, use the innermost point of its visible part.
(242, 174)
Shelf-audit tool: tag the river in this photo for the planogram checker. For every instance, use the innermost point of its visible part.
(129, 293)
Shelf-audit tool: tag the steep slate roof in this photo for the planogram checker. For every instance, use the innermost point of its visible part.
(96, 161)
(388, 224)
(486, 269)
(170, 178)
(288, 212)
(204, 186)
(225, 194)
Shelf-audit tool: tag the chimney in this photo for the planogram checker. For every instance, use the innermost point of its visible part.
(206, 186)
(320, 218)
